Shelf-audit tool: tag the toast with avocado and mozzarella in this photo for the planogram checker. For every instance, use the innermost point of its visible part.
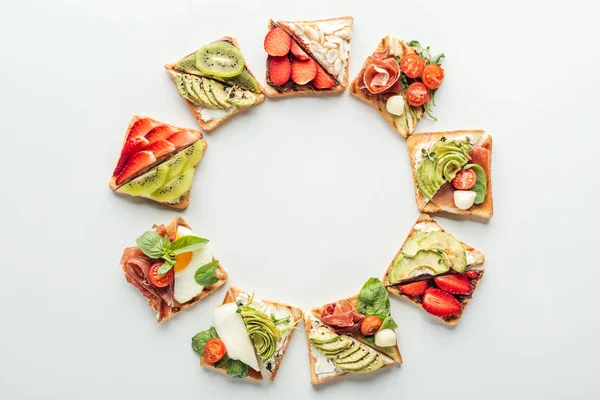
(452, 172)
(248, 332)
(353, 335)
(308, 57)
(172, 267)
(400, 80)
(215, 82)
(158, 162)
(435, 271)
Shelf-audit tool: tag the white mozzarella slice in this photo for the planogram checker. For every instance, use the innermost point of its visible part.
(232, 331)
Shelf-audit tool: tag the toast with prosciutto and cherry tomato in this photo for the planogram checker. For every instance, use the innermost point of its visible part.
(158, 162)
(435, 271)
(400, 80)
(353, 335)
(247, 333)
(452, 172)
(172, 267)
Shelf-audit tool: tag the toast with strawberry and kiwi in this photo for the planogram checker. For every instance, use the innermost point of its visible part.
(452, 172)
(435, 271)
(247, 333)
(353, 335)
(158, 162)
(400, 80)
(172, 267)
(215, 82)
(308, 57)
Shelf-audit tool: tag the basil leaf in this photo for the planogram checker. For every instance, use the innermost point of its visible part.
(373, 299)
(481, 184)
(389, 323)
(205, 275)
(200, 339)
(167, 265)
(437, 59)
(236, 368)
(166, 244)
(187, 243)
(151, 244)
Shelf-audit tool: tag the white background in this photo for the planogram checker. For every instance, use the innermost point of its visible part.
(302, 198)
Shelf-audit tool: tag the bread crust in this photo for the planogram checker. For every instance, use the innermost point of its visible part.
(215, 122)
(484, 210)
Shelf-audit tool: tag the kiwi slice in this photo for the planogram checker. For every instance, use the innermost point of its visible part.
(206, 83)
(188, 64)
(244, 80)
(181, 88)
(219, 93)
(220, 59)
(172, 191)
(241, 98)
(197, 88)
(147, 183)
(187, 81)
(175, 166)
(193, 154)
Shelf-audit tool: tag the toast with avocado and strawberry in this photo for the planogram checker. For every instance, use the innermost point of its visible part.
(353, 335)
(452, 172)
(158, 162)
(172, 267)
(215, 82)
(400, 80)
(247, 333)
(435, 271)
(308, 57)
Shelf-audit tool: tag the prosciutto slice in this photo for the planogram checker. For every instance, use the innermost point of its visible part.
(342, 317)
(381, 74)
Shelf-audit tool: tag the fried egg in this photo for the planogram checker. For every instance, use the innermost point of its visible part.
(185, 286)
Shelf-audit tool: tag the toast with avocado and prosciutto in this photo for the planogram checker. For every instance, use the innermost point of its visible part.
(172, 267)
(158, 162)
(247, 332)
(453, 172)
(215, 82)
(435, 271)
(353, 335)
(308, 57)
(400, 80)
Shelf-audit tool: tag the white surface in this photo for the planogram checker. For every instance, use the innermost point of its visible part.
(303, 199)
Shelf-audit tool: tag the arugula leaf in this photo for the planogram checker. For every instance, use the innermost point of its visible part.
(389, 323)
(200, 339)
(187, 243)
(205, 275)
(236, 368)
(481, 184)
(437, 59)
(151, 244)
(373, 299)
(416, 45)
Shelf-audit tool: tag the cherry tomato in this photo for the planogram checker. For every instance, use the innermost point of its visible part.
(465, 179)
(214, 350)
(412, 65)
(159, 280)
(433, 75)
(370, 325)
(416, 94)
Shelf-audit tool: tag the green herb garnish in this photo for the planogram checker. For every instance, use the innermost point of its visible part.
(236, 368)
(155, 246)
(373, 299)
(205, 275)
(200, 339)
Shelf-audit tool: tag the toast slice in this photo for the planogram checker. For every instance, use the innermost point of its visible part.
(315, 86)
(474, 259)
(163, 309)
(159, 144)
(208, 110)
(423, 142)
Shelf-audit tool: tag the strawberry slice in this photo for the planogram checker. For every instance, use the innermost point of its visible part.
(136, 163)
(323, 80)
(280, 70)
(304, 71)
(159, 133)
(182, 138)
(440, 303)
(140, 128)
(160, 148)
(472, 274)
(454, 284)
(277, 42)
(131, 147)
(298, 52)
(414, 289)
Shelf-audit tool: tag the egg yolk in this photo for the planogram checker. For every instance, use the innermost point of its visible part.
(183, 260)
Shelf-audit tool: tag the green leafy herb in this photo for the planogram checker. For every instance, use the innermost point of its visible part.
(428, 110)
(151, 243)
(221, 362)
(437, 59)
(405, 83)
(200, 339)
(167, 265)
(205, 275)
(187, 243)
(236, 368)
(443, 138)
(373, 299)
(276, 321)
(480, 187)
(389, 323)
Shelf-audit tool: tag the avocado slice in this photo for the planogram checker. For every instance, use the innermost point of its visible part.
(197, 89)
(354, 347)
(377, 363)
(241, 98)
(430, 262)
(453, 251)
(429, 177)
(360, 364)
(353, 357)
(322, 335)
(206, 87)
(218, 93)
(342, 343)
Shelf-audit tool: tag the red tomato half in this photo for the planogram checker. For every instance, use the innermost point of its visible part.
(412, 65)
(465, 179)
(416, 94)
(159, 280)
(433, 75)
(214, 350)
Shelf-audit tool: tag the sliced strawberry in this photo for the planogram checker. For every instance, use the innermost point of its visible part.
(131, 147)
(472, 274)
(280, 70)
(414, 289)
(277, 42)
(454, 284)
(304, 71)
(298, 52)
(136, 163)
(323, 80)
(440, 303)
(182, 138)
(140, 128)
(159, 133)
(160, 148)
